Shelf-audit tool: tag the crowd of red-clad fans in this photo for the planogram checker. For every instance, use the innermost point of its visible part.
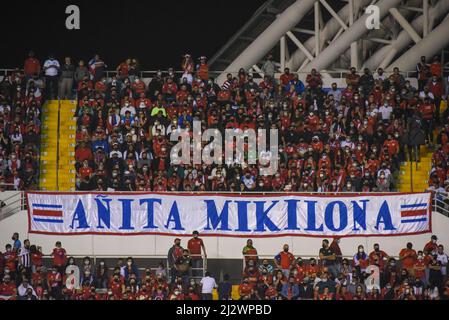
(414, 274)
(350, 139)
(21, 98)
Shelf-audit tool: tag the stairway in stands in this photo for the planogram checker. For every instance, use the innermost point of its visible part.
(49, 146)
(420, 174)
(67, 127)
(58, 174)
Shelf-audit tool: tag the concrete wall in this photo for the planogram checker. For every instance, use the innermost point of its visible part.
(228, 248)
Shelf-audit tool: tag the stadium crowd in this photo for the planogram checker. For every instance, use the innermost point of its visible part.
(368, 275)
(350, 139)
(21, 98)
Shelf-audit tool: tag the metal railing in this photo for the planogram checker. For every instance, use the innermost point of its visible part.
(168, 269)
(305, 258)
(441, 203)
(338, 74)
(12, 204)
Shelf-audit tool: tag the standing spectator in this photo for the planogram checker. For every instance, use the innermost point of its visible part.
(16, 242)
(225, 289)
(10, 260)
(436, 88)
(207, 285)
(422, 69)
(102, 275)
(431, 247)
(360, 261)
(97, 68)
(249, 252)
(378, 254)
(51, 69)
(284, 260)
(182, 266)
(66, 82)
(269, 68)
(32, 66)
(202, 69)
(25, 258)
(286, 77)
(443, 259)
(414, 137)
(174, 253)
(435, 275)
(195, 245)
(81, 72)
(327, 257)
(59, 257)
(427, 110)
(408, 257)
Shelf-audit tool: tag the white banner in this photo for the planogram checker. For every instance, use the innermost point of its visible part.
(229, 215)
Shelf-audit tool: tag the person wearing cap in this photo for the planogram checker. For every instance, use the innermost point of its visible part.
(195, 245)
(431, 247)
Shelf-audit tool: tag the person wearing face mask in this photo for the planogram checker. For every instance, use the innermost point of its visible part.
(378, 255)
(174, 253)
(335, 246)
(59, 256)
(195, 245)
(419, 268)
(431, 246)
(24, 259)
(101, 278)
(360, 261)
(10, 261)
(328, 257)
(408, 257)
(290, 290)
(131, 269)
(284, 260)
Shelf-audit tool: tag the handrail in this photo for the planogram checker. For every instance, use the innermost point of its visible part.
(149, 73)
(95, 257)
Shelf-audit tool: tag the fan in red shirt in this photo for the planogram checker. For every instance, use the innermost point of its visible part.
(431, 247)
(286, 77)
(378, 255)
(284, 260)
(8, 288)
(314, 79)
(32, 66)
(408, 258)
(246, 289)
(10, 259)
(59, 257)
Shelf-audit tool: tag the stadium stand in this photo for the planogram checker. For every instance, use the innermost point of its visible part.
(338, 139)
(21, 99)
(414, 274)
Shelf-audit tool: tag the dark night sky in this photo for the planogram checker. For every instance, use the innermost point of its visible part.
(155, 32)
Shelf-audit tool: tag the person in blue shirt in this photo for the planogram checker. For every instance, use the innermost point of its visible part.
(290, 290)
(298, 84)
(17, 244)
